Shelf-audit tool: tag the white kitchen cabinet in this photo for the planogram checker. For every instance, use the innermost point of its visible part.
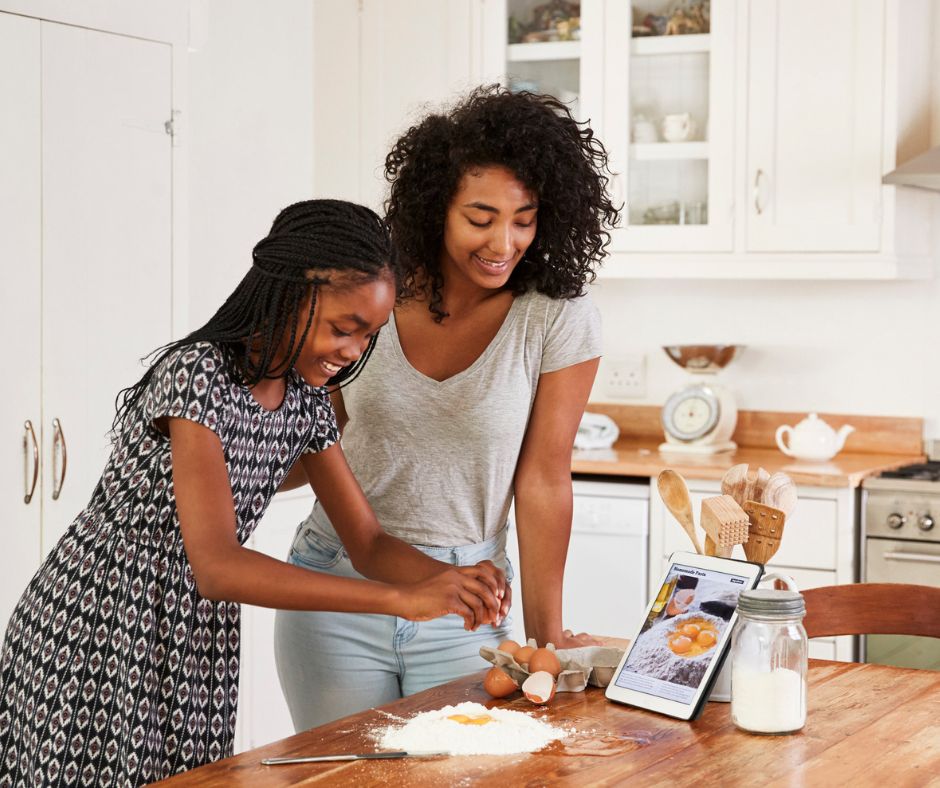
(818, 547)
(263, 715)
(20, 300)
(800, 111)
(86, 238)
(395, 60)
(814, 125)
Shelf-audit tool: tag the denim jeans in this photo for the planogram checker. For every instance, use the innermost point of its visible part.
(334, 664)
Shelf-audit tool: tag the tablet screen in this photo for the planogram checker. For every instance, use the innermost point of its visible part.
(680, 636)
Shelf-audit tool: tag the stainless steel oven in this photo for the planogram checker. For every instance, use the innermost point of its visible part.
(901, 544)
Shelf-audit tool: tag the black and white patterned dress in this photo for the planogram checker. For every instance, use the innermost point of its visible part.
(115, 671)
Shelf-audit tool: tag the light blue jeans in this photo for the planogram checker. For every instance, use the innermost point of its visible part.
(334, 664)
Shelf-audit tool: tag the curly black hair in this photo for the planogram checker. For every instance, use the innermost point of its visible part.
(536, 138)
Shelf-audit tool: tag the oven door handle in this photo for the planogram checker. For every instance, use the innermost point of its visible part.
(918, 557)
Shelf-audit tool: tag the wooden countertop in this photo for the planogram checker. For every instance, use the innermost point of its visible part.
(867, 724)
(642, 458)
(878, 443)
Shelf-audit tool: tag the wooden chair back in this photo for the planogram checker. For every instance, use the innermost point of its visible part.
(872, 609)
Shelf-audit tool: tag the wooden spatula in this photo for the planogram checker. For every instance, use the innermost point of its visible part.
(675, 494)
(780, 493)
(765, 533)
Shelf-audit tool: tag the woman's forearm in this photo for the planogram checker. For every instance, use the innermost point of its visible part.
(543, 526)
(391, 560)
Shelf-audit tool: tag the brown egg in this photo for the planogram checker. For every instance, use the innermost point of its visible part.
(498, 683)
(508, 647)
(539, 687)
(544, 659)
(523, 654)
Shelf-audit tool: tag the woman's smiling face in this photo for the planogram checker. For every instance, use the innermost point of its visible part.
(489, 225)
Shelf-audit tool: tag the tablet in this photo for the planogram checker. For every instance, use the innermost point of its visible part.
(685, 634)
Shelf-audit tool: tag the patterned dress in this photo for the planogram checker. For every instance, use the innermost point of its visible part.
(115, 671)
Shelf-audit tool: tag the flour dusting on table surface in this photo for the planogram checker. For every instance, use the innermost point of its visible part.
(505, 733)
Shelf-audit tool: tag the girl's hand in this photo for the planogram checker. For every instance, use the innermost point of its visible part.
(455, 590)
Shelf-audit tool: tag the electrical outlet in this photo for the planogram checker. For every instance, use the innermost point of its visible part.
(625, 377)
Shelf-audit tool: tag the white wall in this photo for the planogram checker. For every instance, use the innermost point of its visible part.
(846, 347)
(250, 135)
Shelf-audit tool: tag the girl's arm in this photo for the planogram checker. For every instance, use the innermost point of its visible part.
(543, 499)
(298, 476)
(224, 570)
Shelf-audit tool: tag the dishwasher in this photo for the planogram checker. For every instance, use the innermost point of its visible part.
(605, 584)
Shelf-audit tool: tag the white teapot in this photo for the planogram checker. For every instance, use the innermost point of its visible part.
(812, 439)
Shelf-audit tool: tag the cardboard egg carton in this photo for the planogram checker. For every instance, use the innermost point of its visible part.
(594, 665)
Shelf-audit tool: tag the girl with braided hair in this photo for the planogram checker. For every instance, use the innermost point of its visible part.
(120, 662)
(474, 392)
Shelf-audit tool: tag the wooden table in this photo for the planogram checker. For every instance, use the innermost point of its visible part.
(867, 725)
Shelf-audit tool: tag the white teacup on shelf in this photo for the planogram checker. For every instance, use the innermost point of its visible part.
(644, 130)
(678, 128)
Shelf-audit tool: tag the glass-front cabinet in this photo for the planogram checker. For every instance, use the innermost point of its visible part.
(655, 79)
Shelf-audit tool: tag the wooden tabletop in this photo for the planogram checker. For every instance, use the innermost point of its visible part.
(643, 458)
(867, 725)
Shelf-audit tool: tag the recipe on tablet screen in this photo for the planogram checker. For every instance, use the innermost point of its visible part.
(678, 640)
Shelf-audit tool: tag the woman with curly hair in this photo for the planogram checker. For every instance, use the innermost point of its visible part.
(473, 395)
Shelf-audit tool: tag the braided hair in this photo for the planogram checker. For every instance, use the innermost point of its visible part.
(311, 244)
(535, 137)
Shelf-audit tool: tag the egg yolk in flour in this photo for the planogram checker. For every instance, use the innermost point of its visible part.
(693, 637)
(464, 719)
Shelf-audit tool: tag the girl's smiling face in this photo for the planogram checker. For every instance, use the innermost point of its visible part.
(345, 318)
(489, 225)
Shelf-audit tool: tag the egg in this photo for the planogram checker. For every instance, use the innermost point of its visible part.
(539, 687)
(544, 659)
(523, 654)
(691, 631)
(681, 644)
(498, 683)
(508, 647)
(706, 638)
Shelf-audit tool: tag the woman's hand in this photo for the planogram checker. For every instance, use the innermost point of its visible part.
(467, 591)
(570, 640)
(494, 577)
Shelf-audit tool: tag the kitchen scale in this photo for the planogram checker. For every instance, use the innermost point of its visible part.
(700, 417)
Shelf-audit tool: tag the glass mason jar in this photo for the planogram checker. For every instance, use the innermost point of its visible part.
(768, 662)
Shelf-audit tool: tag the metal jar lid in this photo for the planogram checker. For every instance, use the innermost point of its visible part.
(771, 602)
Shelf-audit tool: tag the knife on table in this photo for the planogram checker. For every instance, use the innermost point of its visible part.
(362, 756)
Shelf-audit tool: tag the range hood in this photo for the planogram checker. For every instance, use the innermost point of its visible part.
(922, 171)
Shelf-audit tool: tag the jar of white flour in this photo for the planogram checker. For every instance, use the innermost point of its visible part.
(769, 658)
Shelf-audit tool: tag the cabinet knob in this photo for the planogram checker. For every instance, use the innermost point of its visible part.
(896, 520)
(925, 523)
(758, 179)
(29, 436)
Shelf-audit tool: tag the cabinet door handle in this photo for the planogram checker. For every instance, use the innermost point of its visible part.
(58, 448)
(920, 558)
(758, 177)
(29, 435)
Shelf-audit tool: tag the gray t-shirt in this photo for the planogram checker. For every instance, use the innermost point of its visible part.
(436, 459)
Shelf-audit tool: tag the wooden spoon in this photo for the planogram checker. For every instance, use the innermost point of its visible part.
(780, 493)
(675, 494)
(734, 482)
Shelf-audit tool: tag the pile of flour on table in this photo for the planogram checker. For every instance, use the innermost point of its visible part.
(506, 733)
